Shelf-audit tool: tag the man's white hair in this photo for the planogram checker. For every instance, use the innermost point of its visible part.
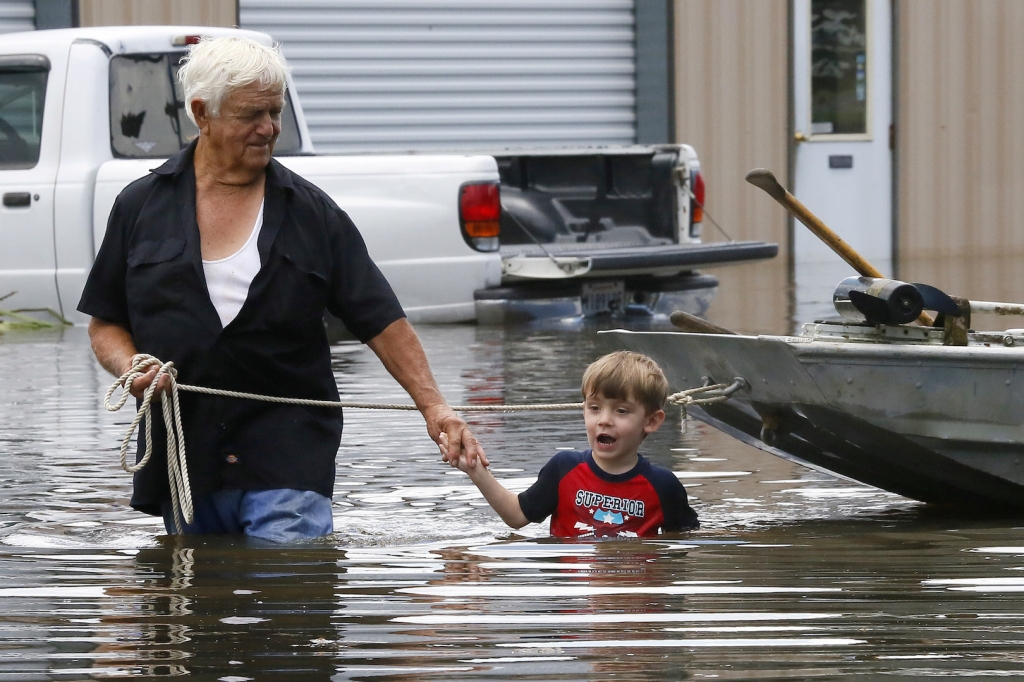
(215, 66)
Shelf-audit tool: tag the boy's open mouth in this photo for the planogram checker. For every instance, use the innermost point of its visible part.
(605, 439)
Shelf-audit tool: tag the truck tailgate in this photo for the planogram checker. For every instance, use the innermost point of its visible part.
(598, 260)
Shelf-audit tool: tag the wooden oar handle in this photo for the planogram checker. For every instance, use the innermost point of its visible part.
(696, 325)
(765, 179)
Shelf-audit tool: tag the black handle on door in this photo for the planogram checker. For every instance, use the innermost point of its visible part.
(17, 199)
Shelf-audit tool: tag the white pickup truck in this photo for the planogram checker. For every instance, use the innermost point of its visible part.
(84, 112)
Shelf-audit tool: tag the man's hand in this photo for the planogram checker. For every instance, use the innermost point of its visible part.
(140, 384)
(461, 463)
(453, 437)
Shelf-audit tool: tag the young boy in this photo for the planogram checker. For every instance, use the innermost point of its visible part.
(608, 490)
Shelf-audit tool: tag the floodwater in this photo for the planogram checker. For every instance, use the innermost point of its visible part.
(793, 575)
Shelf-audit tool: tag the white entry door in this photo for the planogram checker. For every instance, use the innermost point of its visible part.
(842, 96)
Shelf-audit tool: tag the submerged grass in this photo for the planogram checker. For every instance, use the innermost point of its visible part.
(22, 320)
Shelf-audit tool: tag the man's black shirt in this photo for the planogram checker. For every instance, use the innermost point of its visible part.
(148, 275)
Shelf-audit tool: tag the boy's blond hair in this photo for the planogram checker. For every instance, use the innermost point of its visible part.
(624, 375)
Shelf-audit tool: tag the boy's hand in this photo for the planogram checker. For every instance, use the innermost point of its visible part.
(461, 462)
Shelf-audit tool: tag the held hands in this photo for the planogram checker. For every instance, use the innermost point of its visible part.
(462, 463)
(453, 437)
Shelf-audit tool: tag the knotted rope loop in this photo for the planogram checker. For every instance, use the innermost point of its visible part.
(712, 393)
(177, 468)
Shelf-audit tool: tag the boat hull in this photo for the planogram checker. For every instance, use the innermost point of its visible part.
(940, 424)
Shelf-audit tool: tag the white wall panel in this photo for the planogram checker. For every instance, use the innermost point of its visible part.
(457, 74)
(17, 15)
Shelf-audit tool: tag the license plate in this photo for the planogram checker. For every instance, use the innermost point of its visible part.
(602, 297)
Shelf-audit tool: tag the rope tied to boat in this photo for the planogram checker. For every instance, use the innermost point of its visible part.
(712, 393)
(177, 468)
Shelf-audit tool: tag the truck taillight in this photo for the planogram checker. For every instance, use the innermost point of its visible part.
(697, 202)
(480, 214)
(181, 41)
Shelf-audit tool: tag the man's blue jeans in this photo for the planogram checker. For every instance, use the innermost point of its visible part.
(281, 515)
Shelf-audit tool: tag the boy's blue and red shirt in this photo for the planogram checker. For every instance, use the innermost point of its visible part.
(582, 499)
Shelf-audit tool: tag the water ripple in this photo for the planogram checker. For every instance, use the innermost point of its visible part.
(793, 575)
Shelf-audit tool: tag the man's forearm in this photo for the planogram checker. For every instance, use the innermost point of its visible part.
(112, 344)
(400, 351)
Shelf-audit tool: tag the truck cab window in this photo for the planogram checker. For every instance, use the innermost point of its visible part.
(147, 109)
(22, 92)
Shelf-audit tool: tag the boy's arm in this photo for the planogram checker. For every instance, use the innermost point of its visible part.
(501, 499)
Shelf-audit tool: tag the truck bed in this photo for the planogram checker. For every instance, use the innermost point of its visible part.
(607, 212)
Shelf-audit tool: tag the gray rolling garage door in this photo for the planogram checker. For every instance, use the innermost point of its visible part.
(457, 74)
(17, 15)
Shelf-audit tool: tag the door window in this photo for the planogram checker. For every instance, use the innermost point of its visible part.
(839, 68)
(22, 93)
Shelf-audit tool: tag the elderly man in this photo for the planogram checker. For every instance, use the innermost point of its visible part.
(224, 261)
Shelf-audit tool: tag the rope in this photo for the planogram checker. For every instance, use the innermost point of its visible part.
(545, 407)
(724, 391)
(177, 469)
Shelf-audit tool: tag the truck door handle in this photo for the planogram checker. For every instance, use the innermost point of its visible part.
(17, 199)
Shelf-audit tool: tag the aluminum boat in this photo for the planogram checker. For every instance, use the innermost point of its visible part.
(922, 411)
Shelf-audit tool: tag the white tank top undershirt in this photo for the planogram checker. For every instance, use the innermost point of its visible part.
(228, 279)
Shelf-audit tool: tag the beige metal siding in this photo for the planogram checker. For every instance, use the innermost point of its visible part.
(732, 92)
(157, 12)
(960, 135)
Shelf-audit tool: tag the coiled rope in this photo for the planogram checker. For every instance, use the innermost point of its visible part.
(177, 469)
